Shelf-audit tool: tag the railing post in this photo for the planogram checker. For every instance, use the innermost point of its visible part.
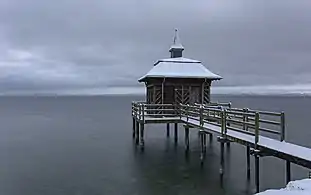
(143, 110)
(139, 111)
(187, 112)
(256, 129)
(135, 110)
(244, 118)
(225, 121)
(222, 122)
(282, 126)
(247, 120)
(201, 116)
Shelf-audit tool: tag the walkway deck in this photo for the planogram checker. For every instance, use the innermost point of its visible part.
(244, 126)
(287, 151)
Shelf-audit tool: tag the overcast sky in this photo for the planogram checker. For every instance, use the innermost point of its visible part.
(81, 45)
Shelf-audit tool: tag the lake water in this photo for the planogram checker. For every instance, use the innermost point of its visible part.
(83, 145)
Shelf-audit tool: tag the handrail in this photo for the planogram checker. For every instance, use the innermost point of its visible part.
(234, 119)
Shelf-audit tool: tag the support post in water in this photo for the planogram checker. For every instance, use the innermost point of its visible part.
(137, 133)
(201, 145)
(257, 172)
(211, 138)
(142, 128)
(134, 127)
(221, 139)
(222, 158)
(204, 141)
(176, 132)
(248, 162)
(288, 172)
(187, 138)
(167, 130)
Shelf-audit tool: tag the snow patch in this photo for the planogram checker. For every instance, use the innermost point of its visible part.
(299, 187)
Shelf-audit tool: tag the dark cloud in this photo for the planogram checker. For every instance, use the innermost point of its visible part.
(79, 44)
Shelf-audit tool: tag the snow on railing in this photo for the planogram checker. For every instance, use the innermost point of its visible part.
(244, 120)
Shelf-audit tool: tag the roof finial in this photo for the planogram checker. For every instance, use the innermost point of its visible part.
(177, 41)
(176, 35)
(177, 48)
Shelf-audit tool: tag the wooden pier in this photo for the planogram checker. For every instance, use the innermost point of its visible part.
(261, 132)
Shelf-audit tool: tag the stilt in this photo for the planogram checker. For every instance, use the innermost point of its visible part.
(204, 141)
(288, 172)
(222, 160)
(167, 130)
(134, 127)
(228, 144)
(176, 132)
(137, 133)
(202, 147)
(142, 142)
(248, 163)
(187, 138)
(257, 172)
(222, 141)
(211, 138)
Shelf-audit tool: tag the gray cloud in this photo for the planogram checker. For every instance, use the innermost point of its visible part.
(79, 44)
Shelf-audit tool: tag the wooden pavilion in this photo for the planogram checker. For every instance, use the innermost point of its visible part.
(178, 80)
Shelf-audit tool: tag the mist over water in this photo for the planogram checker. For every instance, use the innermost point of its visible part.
(83, 145)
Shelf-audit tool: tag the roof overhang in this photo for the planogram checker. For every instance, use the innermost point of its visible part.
(144, 78)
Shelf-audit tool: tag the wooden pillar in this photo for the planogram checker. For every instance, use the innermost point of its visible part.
(176, 132)
(142, 128)
(204, 141)
(162, 91)
(202, 148)
(288, 172)
(209, 92)
(222, 160)
(202, 93)
(154, 95)
(248, 162)
(210, 138)
(137, 133)
(187, 138)
(167, 130)
(257, 177)
(134, 127)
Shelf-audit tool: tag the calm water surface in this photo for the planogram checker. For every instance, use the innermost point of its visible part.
(83, 145)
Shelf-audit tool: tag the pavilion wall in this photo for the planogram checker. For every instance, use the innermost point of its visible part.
(177, 90)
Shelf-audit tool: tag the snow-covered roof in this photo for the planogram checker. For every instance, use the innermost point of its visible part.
(180, 68)
(178, 60)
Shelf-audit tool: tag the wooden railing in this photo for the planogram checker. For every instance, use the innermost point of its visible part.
(244, 120)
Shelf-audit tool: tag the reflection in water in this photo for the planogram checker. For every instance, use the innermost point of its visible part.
(168, 167)
(76, 148)
(173, 169)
